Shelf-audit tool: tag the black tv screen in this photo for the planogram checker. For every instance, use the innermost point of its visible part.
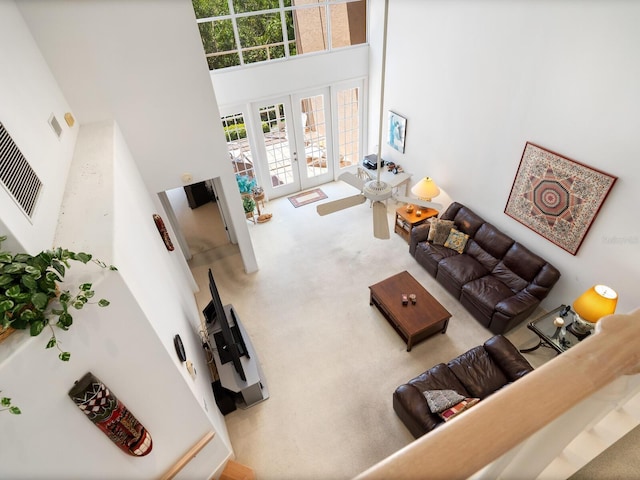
(229, 341)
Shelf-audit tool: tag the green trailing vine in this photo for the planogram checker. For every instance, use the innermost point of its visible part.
(6, 406)
(30, 297)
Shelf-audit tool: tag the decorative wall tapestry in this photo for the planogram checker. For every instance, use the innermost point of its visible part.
(556, 197)
(111, 416)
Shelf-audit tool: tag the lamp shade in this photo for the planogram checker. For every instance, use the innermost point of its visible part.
(596, 303)
(425, 189)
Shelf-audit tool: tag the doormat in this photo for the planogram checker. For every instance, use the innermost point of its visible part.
(307, 197)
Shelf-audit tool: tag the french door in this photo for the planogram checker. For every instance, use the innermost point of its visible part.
(297, 141)
(294, 151)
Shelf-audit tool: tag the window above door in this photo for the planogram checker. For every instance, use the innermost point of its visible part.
(242, 32)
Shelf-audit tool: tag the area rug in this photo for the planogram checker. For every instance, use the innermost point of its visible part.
(307, 197)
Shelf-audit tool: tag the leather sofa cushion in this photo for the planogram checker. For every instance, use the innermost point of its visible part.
(462, 268)
(509, 278)
(523, 262)
(477, 371)
(467, 221)
(511, 361)
(485, 293)
(476, 251)
(492, 240)
(439, 377)
(432, 254)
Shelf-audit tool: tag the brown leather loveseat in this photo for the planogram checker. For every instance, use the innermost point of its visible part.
(475, 374)
(498, 280)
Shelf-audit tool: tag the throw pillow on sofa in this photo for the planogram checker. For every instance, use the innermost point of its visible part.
(440, 400)
(439, 230)
(456, 410)
(456, 240)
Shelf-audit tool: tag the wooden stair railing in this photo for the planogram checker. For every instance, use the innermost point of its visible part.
(461, 447)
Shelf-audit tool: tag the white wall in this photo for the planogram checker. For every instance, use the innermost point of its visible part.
(476, 80)
(29, 95)
(128, 345)
(264, 80)
(142, 64)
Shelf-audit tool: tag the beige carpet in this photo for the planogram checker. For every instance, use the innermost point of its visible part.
(331, 361)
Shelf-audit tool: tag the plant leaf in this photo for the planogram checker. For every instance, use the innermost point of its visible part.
(15, 267)
(85, 287)
(15, 410)
(64, 321)
(59, 267)
(82, 257)
(104, 302)
(36, 328)
(5, 280)
(35, 272)
(40, 300)
(5, 401)
(13, 291)
(29, 282)
(6, 305)
(64, 356)
(52, 342)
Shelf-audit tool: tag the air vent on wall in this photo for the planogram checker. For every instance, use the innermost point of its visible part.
(16, 175)
(55, 125)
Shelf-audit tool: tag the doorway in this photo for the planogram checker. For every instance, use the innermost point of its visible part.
(294, 147)
(298, 141)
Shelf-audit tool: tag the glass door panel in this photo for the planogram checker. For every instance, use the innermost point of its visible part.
(316, 167)
(348, 123)
(278, 146)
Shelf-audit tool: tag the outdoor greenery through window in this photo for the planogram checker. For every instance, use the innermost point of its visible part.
(241, 32)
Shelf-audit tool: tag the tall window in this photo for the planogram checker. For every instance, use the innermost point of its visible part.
(241, 32)
(238, 145)
(348, 126)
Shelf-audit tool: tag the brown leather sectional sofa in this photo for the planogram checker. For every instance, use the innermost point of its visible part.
(498, 280)
(476, 373)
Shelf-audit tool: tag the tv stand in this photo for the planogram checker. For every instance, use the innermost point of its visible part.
(252, 390)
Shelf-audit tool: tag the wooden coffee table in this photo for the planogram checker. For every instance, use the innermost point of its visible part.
(412, 322)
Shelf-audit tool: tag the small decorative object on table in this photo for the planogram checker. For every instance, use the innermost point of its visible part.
(405, 299)
(409, 208)
(413, 297)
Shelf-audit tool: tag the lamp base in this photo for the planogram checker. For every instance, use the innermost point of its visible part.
(580, 329)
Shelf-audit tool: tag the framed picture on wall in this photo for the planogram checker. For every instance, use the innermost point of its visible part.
(397, 131)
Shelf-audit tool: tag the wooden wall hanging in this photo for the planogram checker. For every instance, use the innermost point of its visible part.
(111, 416)
(163, 231)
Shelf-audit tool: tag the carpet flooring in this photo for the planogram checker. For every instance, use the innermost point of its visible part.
(305, 198)
(330, 359)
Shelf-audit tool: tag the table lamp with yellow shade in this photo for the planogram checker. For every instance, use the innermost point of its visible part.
(597, 302)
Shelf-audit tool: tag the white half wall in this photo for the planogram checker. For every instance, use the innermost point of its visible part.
(128, 345)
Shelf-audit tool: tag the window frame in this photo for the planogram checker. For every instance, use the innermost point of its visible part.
(286, 41)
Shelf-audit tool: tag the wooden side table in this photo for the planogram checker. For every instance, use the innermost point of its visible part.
(405, 221)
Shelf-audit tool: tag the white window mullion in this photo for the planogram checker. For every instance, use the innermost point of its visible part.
(236, 34)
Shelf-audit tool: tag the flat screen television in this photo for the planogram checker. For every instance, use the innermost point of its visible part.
(228, 340)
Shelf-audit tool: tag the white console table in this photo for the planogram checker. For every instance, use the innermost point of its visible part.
(254, 388)
(394, 180)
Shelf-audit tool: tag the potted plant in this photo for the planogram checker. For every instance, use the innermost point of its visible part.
(248, 203)
(30, 295)
(246, 184)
